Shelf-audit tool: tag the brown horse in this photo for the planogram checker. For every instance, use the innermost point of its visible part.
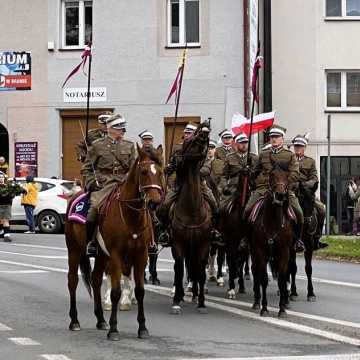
(191, 221)
(126, 231)
(271, 240)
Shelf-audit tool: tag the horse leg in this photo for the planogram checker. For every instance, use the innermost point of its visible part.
(247, 268)
(293, 270)
(232, 274)
(202, 279)
(96, 279)
(256, 287)
(115, 295)
(220, 262)
(152, 267)
(139, 269)
(308, 269)
(73, 280)
(240, 269)
(126, 291)
(107, 298)
(179, 289)
(195, 287)
(264, 283)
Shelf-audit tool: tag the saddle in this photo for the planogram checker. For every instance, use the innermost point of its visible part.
(255, 211)
(79, 209)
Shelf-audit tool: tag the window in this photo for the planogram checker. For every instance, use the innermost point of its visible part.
(343, 8)
(343, 89)
(183, 22)
(76, 23)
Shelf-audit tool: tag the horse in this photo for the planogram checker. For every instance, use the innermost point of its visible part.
(127, 206)
(190, 222)
(271, 240)
(234, 229)
(307, 203)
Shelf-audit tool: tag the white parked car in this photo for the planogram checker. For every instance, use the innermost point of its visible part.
(51, 208)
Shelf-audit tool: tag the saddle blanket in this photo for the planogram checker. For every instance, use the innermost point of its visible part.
(79, 209)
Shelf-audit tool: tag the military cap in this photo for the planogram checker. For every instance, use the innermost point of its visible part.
(277, 130)
(301, 140)
(212, 144)
(103, 118)
(146, 134)
(241, 138)
(190, 128)
(225, 134)
(116, 122)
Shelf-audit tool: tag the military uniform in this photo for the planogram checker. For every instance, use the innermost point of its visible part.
(111, 160)
(222, 151)
(81, 148)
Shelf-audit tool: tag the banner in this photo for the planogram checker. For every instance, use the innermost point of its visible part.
(15, 70)
(26, 159)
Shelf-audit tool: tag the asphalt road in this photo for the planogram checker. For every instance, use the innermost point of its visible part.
(34, 315)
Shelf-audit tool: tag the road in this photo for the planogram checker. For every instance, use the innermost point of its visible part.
(34, 315)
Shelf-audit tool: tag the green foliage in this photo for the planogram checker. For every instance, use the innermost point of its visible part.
(347, 248)
(11, 189)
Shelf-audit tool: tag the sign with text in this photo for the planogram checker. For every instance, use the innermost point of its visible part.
(79, 95)
(26, 159)
(15, 70)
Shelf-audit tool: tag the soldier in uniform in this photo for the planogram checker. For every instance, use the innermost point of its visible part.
(309, 177)
(107, 163)
(226, 147)
(93, 134)
(147, 139)
(277, 153)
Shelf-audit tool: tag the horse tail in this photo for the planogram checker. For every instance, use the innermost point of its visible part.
(85, 269)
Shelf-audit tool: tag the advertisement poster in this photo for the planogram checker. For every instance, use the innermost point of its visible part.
(26, 159)
(15, 70)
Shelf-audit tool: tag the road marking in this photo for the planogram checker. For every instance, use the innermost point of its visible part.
(34, 246)
(34, 255)
(3, 327)
(354, 356)
(55, 357)
(22, 271)
(34, 266)
(270, 320)
(290, 312)
(24, 341)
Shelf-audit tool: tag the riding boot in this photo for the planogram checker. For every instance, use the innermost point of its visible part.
(299, 245)
(92, 249)
(319, 244)
(164, 235)
(216, 237)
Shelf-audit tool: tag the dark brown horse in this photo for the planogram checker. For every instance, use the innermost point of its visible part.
(307, 203)
(126, 229)
(191, 222)
(235, 229)
(271, 241)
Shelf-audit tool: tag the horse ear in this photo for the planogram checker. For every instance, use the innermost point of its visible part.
(140, 151)
(160, 150)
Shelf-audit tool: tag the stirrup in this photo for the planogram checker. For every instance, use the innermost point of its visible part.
(91, 249)
(164, 239)
(299, 246)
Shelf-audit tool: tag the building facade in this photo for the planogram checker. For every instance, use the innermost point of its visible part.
(316, 73)
(136, 50)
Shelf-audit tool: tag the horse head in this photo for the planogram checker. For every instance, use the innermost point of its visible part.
(150, 175)
(278, 183)
(307, 198)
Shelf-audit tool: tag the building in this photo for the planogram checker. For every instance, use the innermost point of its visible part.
(316, 73)
(136, 50)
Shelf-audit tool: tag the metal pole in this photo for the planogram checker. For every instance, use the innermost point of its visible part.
(88, 99)
(328, 176)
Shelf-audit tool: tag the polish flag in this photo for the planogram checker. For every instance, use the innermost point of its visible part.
(241, 124)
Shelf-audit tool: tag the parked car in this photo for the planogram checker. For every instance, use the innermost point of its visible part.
(51, 209)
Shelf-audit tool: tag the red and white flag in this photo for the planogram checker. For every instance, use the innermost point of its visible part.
(241, 124)
(84, 56)
(175, 86)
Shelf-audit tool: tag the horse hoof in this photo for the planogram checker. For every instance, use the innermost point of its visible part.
(242, 291)
(102, 326)
(264, 312)
(247, 277)
(282, 314)
(133, 301)
(143, 334)
(75, 326)
(113, 336)
(256, 306)
(311, 298)
(220, 282)
(125, 307)
(176, 310)
(212, 278)
(107, 307)
(202, 310)
(231, 294)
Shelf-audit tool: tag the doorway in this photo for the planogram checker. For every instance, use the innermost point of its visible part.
(4, 142)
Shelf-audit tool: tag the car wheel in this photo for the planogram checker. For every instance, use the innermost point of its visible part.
(49, 222)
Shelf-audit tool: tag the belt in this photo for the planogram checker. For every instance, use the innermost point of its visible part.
(114, 171)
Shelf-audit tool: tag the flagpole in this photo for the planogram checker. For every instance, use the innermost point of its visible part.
(88, 98)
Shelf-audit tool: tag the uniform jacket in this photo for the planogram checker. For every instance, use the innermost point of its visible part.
(308, 173)
(81, 149)
(265, 165)
(222, 151)
(111, 160)
(212, 168)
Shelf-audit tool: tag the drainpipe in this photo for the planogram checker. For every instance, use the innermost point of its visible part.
(267, 57)
(246, 59)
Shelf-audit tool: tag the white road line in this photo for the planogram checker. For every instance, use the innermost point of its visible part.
(22, 271)
(353, 356)
(34, 266)
(290, 312)
(35, 255)
(34, 246)
(3, 327)
(55, 357)
(272, 321)
(24, 341)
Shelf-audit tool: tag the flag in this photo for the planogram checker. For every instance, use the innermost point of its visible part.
(84, 57)
(255, 75)
(240, 123)
(175, 85)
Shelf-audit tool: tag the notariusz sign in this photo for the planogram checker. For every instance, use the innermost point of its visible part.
(79, 95)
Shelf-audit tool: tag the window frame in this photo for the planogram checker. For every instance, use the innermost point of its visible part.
(343, 16)
(182, 26)
(343, 95)
(82, 43)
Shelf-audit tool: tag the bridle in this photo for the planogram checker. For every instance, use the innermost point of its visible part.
(285, 189)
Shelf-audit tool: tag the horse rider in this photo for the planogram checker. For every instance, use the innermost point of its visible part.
(93, 134)
(107, 163)
(171, 196)
(226, 145)
(309, 177)
(278, 154)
